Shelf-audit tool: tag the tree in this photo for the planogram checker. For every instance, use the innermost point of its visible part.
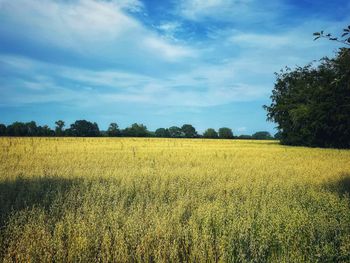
(136, 130)
(189, 131)
(83, 128)
(113, 130)
(59, 128)
(45, 131)
(17, 129)
(32, 129)
(262, 135)
(175, 132)
(311, 104)
(343, 39)
(162, 132)
(245, 137)
(225, 133)
(210, 133)
(277, 136)
(2, 129)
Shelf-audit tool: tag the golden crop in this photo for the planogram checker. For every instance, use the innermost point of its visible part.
(172, 200)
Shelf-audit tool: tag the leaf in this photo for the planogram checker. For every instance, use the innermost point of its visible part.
(333, 38)
(316, 34)
(328, 35)
(344, 34)
(348, 40)
(316, 38)
(322, 32)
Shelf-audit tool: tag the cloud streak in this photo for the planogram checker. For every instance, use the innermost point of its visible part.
(134, 57)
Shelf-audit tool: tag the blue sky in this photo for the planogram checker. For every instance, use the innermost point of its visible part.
(162, 63)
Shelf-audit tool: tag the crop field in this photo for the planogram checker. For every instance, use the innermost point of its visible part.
(172, 200)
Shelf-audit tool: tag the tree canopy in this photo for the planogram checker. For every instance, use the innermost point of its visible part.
(136, 130)
(83, 128)
(262, 135)
(113, 130)
(189, 131)
(225, 133)
(311, 104)
(210, 133)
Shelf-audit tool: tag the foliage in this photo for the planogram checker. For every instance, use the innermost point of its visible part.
(59, 128)
(244, 137)
(311, 105)
(113, 130)
(136, 130)
(2, 129)
(175, 132)
(189, 131)
(343, 39)
(262, 135)
(225, 133)
(210, 133)
(28, 129)
(162, 132)
(277, 136)
(165, 200)
(83, 128)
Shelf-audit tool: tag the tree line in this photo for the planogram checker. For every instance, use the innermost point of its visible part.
(311, 104)
(84, 128)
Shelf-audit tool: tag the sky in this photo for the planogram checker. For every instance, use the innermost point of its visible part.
(209, 63)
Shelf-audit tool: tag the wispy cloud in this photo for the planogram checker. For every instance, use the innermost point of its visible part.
(186, 58)
(91, 28)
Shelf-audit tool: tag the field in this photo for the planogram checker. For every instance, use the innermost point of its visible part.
(172, 200)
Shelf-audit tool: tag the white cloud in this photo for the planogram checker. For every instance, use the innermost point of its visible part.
(89, 27)
(205, 86)
(228, 10)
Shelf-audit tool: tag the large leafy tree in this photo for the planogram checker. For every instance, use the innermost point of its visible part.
(189, 131)
(113, 130)
(311, 104)
(59, 128)
(225, 133)
(136, 130)
(2, 129)
(162, 132)
(262, 135)
(83, 128)
(175, 132)
(210, 133)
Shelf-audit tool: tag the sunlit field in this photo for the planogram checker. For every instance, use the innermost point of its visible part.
(172, 200)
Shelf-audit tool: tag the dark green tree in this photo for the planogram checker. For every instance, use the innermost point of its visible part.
(136, 130)
(59, 128)
(2, 129)
(311, 104)
(189, 131)
(113, 130)
(175, 132)
(277, 136)
(245, 137)
(210, 133)
(17, 129)
(262, 135)
(83, 128)
(162, 132)
(45, 131)
(225, 133)
(32, 129)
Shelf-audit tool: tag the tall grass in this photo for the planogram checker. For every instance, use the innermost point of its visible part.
(169, 200)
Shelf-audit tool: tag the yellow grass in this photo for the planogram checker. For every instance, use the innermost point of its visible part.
(171, 200)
